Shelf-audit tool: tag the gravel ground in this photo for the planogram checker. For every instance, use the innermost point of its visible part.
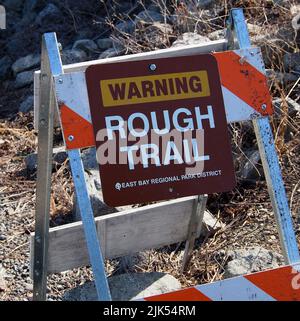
(246, 213)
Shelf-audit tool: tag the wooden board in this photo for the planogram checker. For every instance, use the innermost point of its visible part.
(122, 233)
(218, 45)
(204, 47)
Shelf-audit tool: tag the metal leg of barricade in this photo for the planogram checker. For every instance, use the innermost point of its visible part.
(51, 66)
(88, 221)
(269, 158)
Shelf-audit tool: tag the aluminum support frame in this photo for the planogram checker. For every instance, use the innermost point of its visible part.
(269, 157)
(51, 66)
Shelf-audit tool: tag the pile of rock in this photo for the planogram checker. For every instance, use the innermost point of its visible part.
(141, 28)
(28, 20)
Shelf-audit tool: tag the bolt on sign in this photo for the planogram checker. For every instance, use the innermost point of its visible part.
(160, 129)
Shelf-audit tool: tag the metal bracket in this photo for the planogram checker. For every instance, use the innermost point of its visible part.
(194, 229)
(269, 158)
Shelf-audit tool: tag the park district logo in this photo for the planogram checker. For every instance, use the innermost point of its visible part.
(160, 129)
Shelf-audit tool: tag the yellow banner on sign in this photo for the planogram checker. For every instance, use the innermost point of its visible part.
(146, 89)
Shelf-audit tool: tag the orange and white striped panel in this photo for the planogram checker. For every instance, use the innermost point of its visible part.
(281, 284)
(244, 84)
(244, 87)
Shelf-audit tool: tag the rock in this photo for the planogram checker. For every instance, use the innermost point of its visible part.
(210, 224)
(125, 27)
(252, 168)
(28, 18)
(49, 14)
(125, 287)
(149, 16)
(154, 7)
(2, 237)
(93, 185)
(59, 156)
(286, 34)
(122, 6)
(3, 286)
(29, 287)
(86, 45)
(282, 77)
(156, 34)
(216, 35)
(89, 159)
(295, 9)
(189, 38)
(23, 79)
(109, 53)
(13, 46)
(15, 5)
(245, 261)
(104, 43)
(296, 22)
(291, 61)
(72, 56)
(26, 105)
(26, 63)
(5, 63)
(204, 4)
(134, 286)
(271, 44)
(129, 262)
(87, 33)
(31, 162)
(293, 107)
(282, 3)
(117, 44)
(254, 29)
(32, 6)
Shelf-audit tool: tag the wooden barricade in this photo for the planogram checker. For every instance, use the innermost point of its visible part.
(61, 98)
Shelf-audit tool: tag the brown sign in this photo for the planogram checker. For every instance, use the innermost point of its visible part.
(160, 129)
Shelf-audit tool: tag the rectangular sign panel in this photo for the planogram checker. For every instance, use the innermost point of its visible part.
(160, 129)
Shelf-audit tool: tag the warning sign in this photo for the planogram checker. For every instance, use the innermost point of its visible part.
(139, 90)
(160, 129)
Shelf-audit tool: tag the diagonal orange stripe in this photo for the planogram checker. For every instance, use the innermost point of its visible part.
(76, 126)
(283, 284)
(190, 294)
(245, 81)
